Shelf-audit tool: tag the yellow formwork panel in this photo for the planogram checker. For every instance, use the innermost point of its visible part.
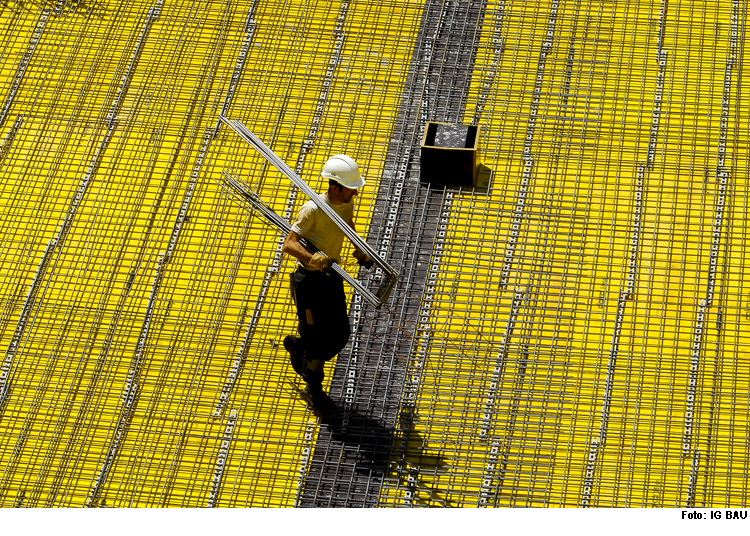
(108, 298)
(570, 267)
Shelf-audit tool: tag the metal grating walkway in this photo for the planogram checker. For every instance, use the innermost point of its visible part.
(573, 335)
(369, 440)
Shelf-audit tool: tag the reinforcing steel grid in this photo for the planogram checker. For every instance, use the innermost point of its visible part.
(575, 334)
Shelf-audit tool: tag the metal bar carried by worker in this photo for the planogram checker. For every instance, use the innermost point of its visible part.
(249, 200)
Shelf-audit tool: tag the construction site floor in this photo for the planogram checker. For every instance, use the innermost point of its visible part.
(572, 331)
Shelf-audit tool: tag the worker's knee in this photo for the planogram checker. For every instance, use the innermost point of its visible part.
(314, 365)
(325, 338)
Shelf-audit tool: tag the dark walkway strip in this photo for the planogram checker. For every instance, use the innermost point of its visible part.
(352, 454)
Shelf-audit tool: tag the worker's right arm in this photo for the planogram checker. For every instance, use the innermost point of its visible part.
(293, 247)
(316, 261)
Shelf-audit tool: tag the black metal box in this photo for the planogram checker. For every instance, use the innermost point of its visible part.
(449, 154)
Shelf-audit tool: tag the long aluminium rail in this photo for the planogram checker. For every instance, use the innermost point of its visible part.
(379, 297)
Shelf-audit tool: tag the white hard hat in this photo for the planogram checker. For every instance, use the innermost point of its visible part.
(344, 170)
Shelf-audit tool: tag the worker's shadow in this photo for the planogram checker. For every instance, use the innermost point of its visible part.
(382, 450)
(367, 437)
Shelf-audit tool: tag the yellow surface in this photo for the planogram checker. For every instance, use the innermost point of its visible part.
(70, 371)
(571, 265)
(64, 403)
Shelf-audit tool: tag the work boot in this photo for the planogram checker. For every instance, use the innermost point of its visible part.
(318, 402)
(296, 350)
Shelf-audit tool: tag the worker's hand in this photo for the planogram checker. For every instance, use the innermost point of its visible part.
(363, 259)
(321, 262)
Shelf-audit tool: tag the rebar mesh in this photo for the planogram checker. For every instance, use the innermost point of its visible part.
(573, 334)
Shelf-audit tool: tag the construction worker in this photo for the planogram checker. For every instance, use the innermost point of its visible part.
(317, 291)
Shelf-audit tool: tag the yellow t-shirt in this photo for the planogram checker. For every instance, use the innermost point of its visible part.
(317, 227)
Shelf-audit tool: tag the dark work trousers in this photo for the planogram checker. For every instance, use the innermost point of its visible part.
(324, 295)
